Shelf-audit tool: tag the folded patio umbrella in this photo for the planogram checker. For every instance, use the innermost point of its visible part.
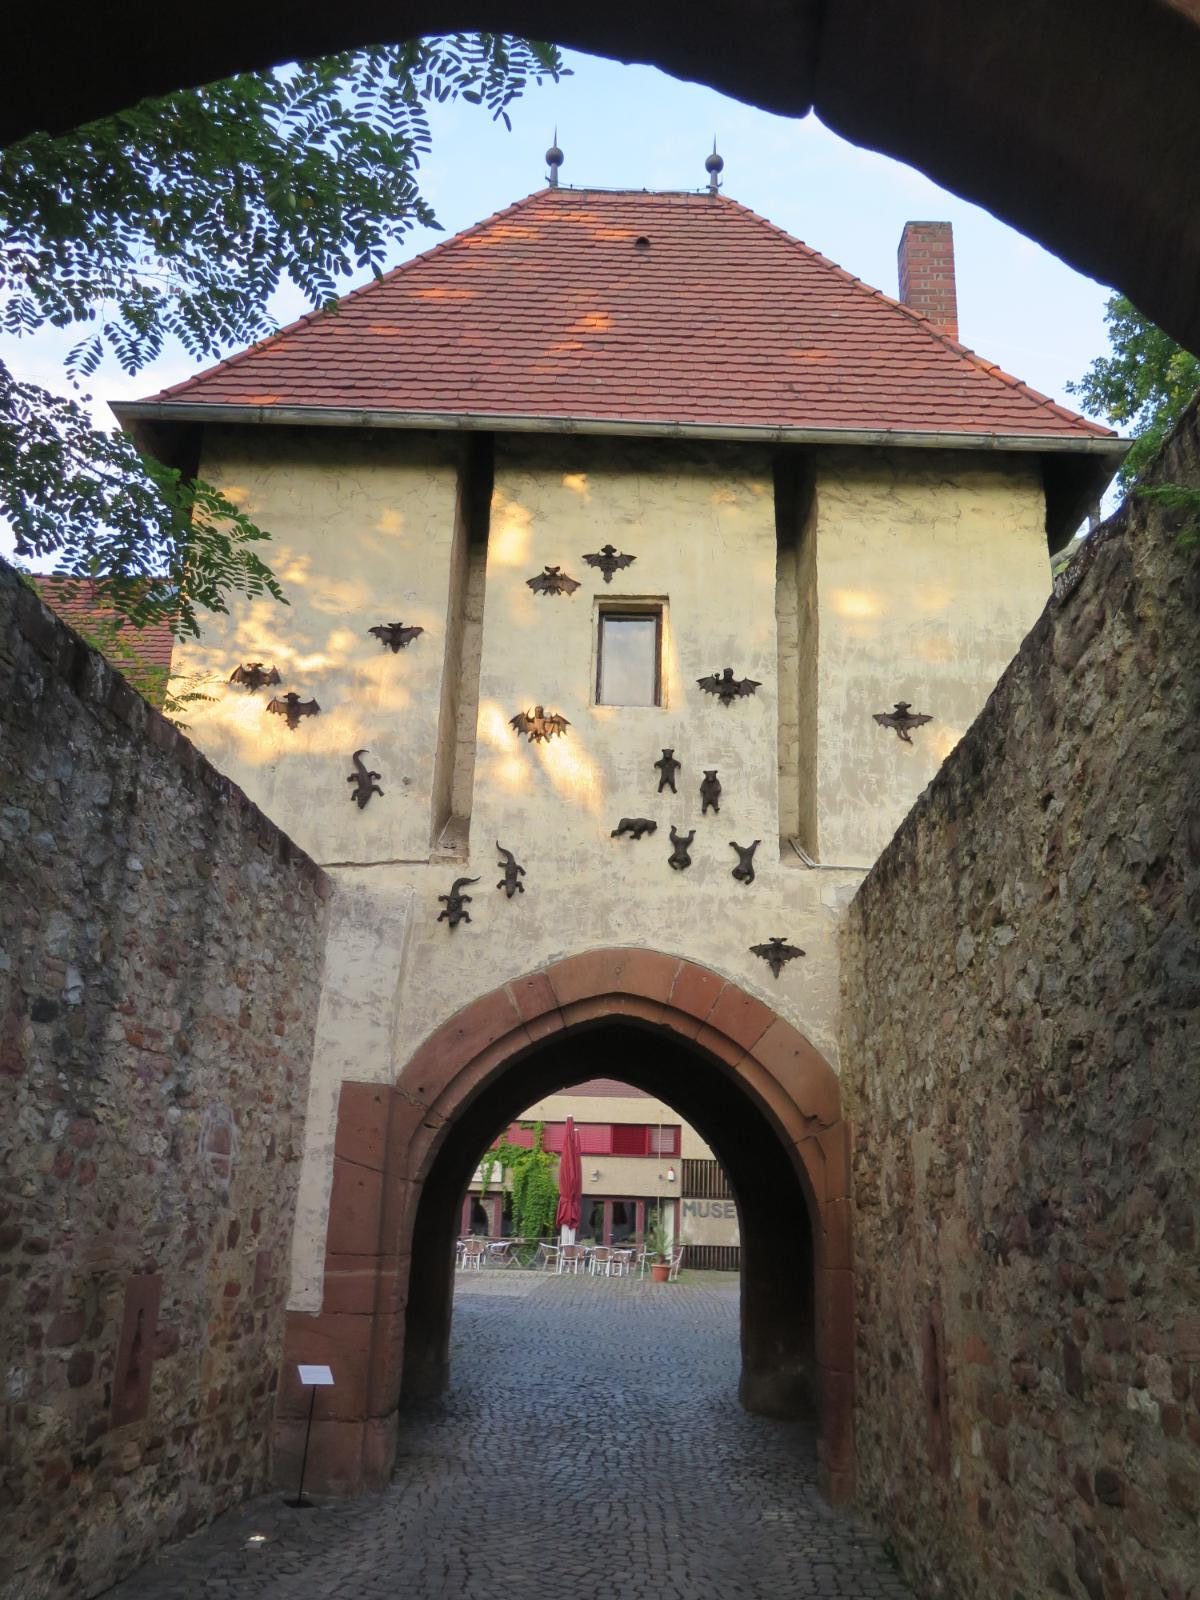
(570, 1184)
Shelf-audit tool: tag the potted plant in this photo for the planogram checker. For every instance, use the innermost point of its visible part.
(658, 1241)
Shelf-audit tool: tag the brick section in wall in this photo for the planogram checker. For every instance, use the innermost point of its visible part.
(1021, 990)
(160, 956)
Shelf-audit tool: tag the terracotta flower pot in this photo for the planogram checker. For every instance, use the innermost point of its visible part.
(660, 1271)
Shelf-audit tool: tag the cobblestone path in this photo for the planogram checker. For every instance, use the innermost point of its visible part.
(590, 1447)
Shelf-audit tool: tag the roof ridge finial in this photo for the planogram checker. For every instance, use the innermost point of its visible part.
(714, 166)
(554, 160)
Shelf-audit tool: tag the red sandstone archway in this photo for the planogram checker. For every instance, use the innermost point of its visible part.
(388, 1142)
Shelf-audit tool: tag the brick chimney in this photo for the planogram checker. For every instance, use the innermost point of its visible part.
(926, 257)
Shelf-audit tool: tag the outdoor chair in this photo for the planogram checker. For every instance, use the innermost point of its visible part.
(571, 1257)
(547, 1257)
(600, 1261)
(620, 1263)
(676, 1260)
(499, 1253)
(644, 1257)
(473, 1252)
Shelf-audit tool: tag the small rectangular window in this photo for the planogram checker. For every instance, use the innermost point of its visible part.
(629, 658)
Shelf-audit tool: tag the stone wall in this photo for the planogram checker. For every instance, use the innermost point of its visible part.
(160, 959)
(1021, 987)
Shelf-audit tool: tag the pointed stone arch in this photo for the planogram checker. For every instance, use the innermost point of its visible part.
(387, 1146)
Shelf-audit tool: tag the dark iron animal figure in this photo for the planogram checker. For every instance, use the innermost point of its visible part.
(776, 953)
(710, 791)
(633, 828)
(726, 687)
(744, 871)
(292, 707)
(679, 858)
(667, 768)
(395, 635)
(364, 779)
(456, 903)
(608, 560)
(903, 718)
(255, 676)
(511, 881)
(537, 725)
(553, 581)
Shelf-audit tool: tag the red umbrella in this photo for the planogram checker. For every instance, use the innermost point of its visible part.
(570, 1180)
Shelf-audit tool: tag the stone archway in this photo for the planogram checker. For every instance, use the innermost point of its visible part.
(387, 1148)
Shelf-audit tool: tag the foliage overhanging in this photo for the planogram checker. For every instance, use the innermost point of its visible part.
(177, 220)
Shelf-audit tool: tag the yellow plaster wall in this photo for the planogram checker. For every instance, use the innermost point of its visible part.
(363, 529)
(364, 533)
(931, 568)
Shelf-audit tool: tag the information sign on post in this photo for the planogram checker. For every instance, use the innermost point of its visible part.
(312, 1378)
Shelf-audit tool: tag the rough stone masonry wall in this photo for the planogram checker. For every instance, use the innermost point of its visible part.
(160, 958)
(1022, 1065)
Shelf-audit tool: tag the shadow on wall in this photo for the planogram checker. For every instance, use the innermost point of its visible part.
(1022, 969)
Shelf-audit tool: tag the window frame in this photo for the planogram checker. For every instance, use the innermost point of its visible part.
(630, 611)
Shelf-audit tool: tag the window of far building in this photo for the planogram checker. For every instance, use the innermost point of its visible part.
(629, 656)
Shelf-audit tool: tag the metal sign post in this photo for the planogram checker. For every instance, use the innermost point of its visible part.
(313, 1378)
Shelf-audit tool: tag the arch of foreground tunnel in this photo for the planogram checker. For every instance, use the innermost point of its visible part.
(753, 1086)
(1074, 120)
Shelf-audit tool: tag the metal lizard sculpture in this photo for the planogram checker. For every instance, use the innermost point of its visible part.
(456, 903)
(365, 780)
(511, 881)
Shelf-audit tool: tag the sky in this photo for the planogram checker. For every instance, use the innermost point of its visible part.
(635, 127)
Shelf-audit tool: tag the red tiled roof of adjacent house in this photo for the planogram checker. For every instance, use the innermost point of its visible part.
(640, 308)
(75, 601)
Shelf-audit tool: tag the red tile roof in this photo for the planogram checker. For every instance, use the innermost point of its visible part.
(75, 601)
(636, 307)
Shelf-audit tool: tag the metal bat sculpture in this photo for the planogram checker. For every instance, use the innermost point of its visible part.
(553, 581)
(456, 903)
(537, 725)
(365, 780)
(609, 560)
(744, 871)
(292, 707)
(511, 881)
(903, 718)
(395, 635)
(726, 687)
(776, 953)
(253, 675)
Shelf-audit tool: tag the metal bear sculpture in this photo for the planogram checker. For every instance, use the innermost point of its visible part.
(679, 858)
(744, 871)
(710, 791)
(633, 828)
(667, 768)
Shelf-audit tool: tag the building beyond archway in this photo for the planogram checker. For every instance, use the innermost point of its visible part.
(758, 1091)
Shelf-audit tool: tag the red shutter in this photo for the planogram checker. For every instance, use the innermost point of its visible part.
(629, 1139)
